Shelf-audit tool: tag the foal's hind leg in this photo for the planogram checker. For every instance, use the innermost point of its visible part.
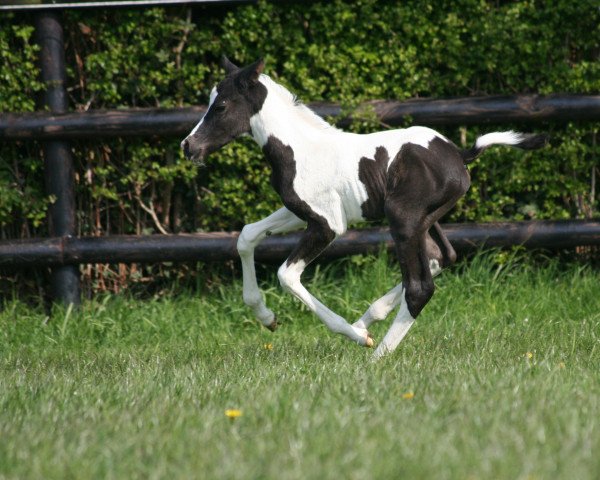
(279, 222)
(423, 185)
(417, 283)
(440, 254)
(439, 247)
(316, 238)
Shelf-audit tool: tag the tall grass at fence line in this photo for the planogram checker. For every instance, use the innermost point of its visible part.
(499, 378)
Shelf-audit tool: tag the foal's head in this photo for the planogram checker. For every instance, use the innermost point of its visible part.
(232, 103)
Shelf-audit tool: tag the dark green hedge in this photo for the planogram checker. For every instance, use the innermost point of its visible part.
(338, 51)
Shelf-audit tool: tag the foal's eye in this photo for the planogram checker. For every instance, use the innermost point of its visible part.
(219, 107)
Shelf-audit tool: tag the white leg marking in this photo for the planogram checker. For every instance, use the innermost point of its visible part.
(281, 221)
(382, 307)
(289, 276)
(434, 266)
(397, 331)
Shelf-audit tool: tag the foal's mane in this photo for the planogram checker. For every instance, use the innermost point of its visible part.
(295, 105)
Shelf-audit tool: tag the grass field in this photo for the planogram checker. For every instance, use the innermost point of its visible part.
(499, 378)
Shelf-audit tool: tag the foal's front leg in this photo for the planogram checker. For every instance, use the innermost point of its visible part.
(279, 222)
(316, 238)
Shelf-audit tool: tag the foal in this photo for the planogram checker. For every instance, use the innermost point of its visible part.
(328, 178)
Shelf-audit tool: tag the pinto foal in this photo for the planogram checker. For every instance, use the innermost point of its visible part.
(328, 178)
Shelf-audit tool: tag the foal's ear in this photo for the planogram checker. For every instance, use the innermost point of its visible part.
(228, 65)
(250, 74)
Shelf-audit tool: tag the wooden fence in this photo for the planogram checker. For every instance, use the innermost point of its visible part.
(63, 252)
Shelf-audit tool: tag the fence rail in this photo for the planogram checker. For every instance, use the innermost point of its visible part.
(56, 5)
(219, 246)
(179, 121)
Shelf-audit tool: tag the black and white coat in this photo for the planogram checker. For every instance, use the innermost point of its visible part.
(328, 179)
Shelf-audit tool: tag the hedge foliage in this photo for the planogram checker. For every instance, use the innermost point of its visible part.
(328, 50)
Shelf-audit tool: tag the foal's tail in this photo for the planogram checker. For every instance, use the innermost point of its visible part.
(526, 141)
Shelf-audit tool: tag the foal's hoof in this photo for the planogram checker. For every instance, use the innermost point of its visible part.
(273, 325)
(366, 337)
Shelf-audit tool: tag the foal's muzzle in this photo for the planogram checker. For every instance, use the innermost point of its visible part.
(196, 155)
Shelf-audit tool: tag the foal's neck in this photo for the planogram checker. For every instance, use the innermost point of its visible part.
(282, 117)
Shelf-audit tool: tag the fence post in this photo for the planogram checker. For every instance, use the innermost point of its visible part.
(58, 163)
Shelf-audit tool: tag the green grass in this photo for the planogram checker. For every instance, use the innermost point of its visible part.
(130, 388)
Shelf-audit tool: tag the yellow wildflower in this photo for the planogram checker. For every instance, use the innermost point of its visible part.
(529, 355)
(268, 346)
(561, 364)
(408, 395)
(233, 413)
